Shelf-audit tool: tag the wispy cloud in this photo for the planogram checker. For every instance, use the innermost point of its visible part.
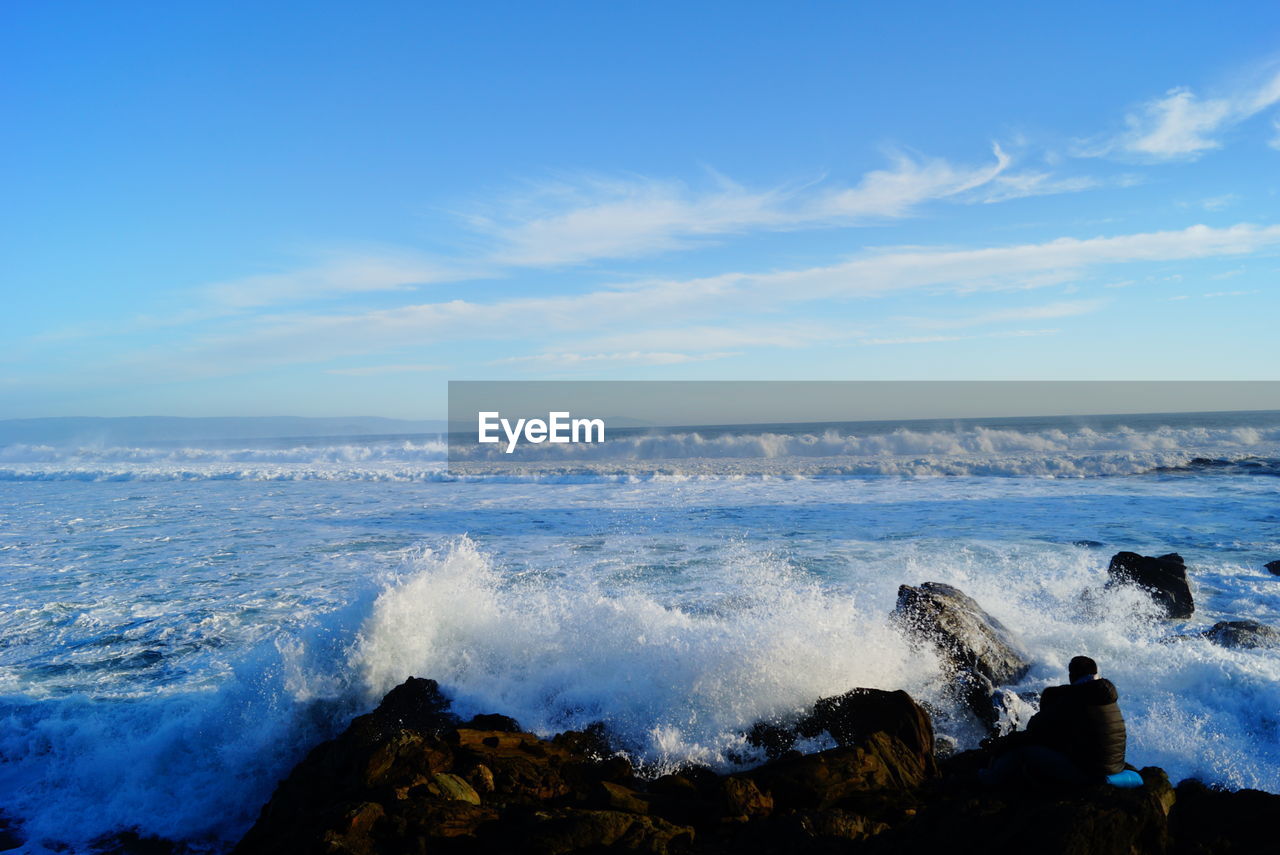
(711, 338)
(634, 357)
(1181, 125)
(1020, 185)
(574, 221)
(373, 370)
(935, 339)
(1063, 309)
(1215, 294)
(305, 338)
(335, 276)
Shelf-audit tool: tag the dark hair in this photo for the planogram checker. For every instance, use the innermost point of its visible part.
(1080, 666)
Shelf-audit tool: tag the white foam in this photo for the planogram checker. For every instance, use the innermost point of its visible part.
(1052, 452)
(672, 683)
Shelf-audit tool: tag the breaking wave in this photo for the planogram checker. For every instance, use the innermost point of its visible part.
(1051, 453)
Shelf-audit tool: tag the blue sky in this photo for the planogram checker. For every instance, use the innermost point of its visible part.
(333, 209)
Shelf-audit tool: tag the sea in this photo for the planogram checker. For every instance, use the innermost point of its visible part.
(180, 621)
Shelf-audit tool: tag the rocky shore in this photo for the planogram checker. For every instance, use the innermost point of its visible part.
(410, 777)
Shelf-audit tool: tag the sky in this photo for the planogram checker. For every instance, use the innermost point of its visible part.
(328, 209)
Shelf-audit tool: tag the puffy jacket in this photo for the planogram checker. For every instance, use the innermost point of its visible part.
(1083, 721)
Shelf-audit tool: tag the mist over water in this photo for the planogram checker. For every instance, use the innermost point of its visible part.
(181, 624)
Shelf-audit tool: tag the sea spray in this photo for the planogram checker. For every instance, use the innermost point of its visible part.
(671, 682)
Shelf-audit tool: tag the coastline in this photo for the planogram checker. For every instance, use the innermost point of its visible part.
(412, 777)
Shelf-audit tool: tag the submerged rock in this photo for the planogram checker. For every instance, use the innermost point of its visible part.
(1242, 633)
(981, 654)
(1163, 577)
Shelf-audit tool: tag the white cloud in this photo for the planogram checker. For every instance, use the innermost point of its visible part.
(306, 338)
(1063, 309)
(372, 370)
(1183, 125)
(1217, 203)
(704, 338)
(1232, 293)
(334, 277)
(635, 357)
(571, 222)
(935, 339)
(1020, 185)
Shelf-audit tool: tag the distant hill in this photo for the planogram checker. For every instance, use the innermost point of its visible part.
(142, 429)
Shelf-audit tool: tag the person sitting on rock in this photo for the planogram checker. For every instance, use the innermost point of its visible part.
(1077, 737)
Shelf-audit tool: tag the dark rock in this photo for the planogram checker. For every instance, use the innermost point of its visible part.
(132, 843)
(612, 796)
(851, 718)
(1163, 577)
(9, 836)
(384, 788)
(557, 832)
(1098, 820)
(776, 738)
(980, 652)
(1273, 567)
(593, 740)
(417, 704)
(493, 721)
(829, 778)
(1207, 821)
(1242, 633)
(1088, 544)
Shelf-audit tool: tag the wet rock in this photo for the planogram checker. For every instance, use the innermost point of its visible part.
(1273, 567)
(1242, 633)
(828, 778)
(776, 738)
(1163, 577)
(851, 718)
(409, 777)
(593, 740)
(493, 721)
(417, 704)
(979, 651)
(383, 788)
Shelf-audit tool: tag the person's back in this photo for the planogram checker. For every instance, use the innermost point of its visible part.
(1083, 721)
(1077, 737)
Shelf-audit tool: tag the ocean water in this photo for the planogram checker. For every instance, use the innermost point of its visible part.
(180, 622)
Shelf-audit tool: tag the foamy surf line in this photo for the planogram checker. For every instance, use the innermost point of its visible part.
(1051, 453)
(996, 466)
